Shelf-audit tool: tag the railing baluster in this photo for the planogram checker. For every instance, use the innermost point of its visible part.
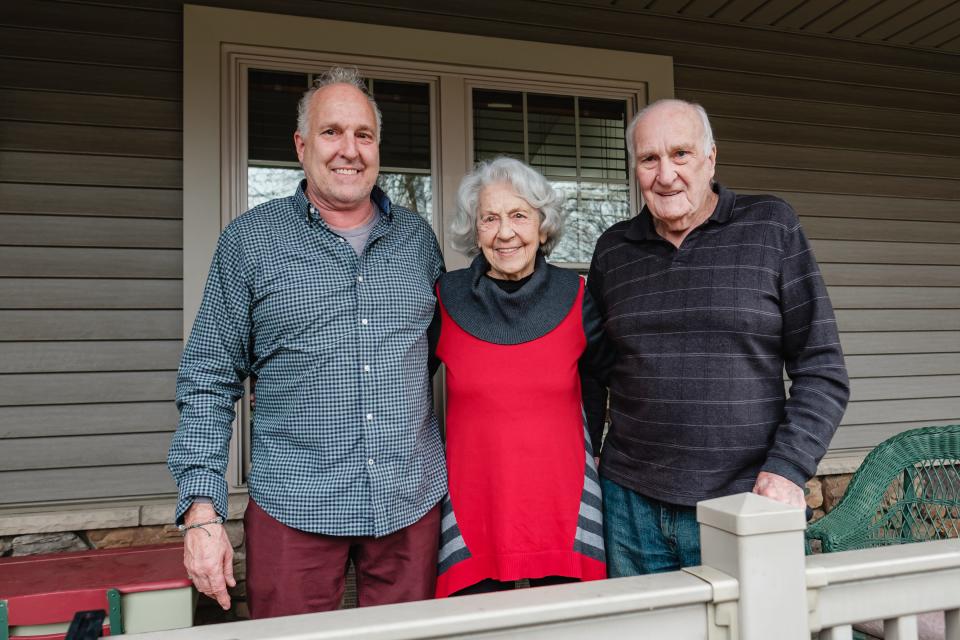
(953, 624)
(843, 632)
(902, 628)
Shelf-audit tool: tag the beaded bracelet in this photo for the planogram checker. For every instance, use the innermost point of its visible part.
(183, 528)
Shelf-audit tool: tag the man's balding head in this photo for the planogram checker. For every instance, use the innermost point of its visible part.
(672, 150)
(708, 142)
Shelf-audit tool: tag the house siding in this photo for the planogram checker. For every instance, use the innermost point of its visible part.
(863, 140)
(90, 250)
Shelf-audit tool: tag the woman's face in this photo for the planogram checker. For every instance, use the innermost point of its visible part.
(508, 231)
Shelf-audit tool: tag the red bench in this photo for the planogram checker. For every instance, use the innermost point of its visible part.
(139, 588)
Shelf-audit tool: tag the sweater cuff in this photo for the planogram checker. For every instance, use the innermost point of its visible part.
(787, 469)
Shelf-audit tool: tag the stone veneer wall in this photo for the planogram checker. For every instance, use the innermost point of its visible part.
(112, 528)
(823, 494)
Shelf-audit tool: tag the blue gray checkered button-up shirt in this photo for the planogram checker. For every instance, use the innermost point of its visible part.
(344, 440)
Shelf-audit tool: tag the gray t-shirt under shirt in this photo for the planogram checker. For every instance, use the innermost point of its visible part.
(357, 237)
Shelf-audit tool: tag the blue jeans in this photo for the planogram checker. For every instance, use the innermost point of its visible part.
(643, 535)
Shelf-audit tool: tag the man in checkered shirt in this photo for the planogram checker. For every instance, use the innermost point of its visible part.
(325, 297)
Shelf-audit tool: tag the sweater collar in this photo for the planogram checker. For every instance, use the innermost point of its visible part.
(641, 227)
(489, 313)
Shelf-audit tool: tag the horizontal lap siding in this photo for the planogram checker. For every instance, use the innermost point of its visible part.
(89, 356)
(133, 480)
(90, 253)
(862, 139)
(85, 419)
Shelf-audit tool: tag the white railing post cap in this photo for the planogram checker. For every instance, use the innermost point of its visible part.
(747, 514)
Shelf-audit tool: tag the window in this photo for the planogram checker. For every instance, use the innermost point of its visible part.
(576, 142)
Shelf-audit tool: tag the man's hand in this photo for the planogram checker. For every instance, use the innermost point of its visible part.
(208, 558)
(778, 488)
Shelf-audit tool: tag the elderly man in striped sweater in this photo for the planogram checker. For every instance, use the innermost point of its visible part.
(706, 295)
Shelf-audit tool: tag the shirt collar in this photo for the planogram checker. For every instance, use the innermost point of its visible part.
(641, 227)
(302, 203)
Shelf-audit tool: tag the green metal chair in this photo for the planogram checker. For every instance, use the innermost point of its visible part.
(906, 490)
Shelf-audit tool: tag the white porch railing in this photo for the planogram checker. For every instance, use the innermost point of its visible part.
(891, 584)
(755, 584)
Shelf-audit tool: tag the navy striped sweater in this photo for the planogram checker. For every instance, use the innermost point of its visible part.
(702, 334)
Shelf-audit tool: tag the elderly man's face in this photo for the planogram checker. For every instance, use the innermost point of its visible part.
(340, 154)
(673, 171)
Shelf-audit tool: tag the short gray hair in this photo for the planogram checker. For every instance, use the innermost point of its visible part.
(528, 183)
(335, 75)
(699, 110)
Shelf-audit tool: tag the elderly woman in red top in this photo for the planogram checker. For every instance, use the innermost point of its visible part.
(516, 334)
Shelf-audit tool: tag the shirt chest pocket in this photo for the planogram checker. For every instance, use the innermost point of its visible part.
(397, 288)
(303, 307)
(407, 303)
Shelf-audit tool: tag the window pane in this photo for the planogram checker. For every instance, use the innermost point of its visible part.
(497, 124)
(272, 114)
(602, 128)
(591, 208)
(405, 107)
(552, 135)
(267, 183)
(411, 191)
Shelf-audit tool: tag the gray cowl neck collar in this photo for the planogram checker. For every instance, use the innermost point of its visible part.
(487, 312)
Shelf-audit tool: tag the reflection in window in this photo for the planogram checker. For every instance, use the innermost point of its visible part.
(405, 148)
(273, 170)
(576, 142)
(267, 183)
(413, 191)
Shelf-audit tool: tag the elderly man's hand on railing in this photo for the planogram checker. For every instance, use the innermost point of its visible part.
(775, 487)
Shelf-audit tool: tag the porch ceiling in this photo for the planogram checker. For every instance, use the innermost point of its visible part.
(924, 24)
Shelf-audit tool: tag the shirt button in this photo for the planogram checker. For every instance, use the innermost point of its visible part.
(370, 461)
(342, 239)
(364, 321)
(359, 278)
(369, 416)
(366, 367)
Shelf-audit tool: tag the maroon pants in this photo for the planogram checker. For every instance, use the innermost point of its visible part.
(291, 571)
